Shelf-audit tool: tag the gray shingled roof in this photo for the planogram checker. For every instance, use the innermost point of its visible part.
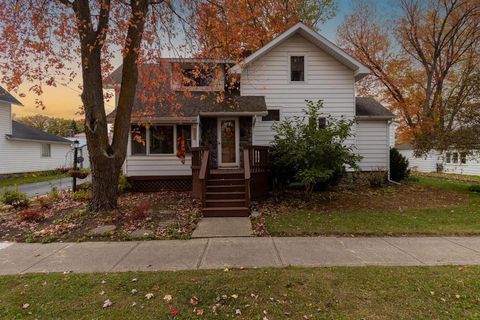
(23, 132)
(5, 96)
(195, 103)
(369, 107)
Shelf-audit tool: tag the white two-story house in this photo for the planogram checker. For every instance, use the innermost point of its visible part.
(216, 107)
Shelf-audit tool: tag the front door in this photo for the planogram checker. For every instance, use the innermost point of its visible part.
(228, 142)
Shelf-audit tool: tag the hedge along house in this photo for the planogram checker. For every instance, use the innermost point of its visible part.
(223, 114)
(25, 149)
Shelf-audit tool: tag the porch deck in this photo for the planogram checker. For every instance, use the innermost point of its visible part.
(227, 192)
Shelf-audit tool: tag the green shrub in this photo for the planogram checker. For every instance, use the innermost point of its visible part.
(14, 198)
(82, 195)
(398, 166)
(474, 188)
(304, 151)
(123, 184)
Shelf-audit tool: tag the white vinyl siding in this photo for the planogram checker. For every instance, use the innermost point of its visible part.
(372, 144)
(325, 79)
(428, 163)
(25, 156)
(423, 163)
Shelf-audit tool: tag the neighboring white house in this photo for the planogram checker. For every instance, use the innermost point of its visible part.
(452, 161)
(25, 149)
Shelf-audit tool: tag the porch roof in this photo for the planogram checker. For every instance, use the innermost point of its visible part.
(180, 105)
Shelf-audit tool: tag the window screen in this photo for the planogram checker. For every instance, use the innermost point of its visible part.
(161, 140)
(46, 150)
(297, 68)
(449, 157)
(322, 123)
(455, 157)
(139, 139)
(463, 157)
(273, 115)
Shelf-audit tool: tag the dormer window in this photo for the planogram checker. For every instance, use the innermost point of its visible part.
(297, 68)
(196, 77)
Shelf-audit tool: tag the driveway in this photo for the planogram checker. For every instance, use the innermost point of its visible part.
(41, 188)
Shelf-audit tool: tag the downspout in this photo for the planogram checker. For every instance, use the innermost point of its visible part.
(389, 123)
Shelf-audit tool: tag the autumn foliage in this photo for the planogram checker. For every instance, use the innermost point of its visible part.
(425, 66)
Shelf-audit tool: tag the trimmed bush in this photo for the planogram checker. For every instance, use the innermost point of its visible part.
(14, 198)
(398, 166)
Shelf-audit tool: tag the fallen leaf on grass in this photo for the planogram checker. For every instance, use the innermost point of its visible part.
(194, 300)
(107, 303)
(167, 298)
(25, 305)
(198, 312)
(149, 296)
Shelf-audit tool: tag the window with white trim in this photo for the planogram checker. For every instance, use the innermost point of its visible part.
(297, 68)
(161, 139)
(46, 150)
(463, 157)
(455, 157)
(448, 157)
(139, 139)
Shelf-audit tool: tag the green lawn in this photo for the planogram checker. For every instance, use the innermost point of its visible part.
(31, 178)
(463, 219)
(288, 293)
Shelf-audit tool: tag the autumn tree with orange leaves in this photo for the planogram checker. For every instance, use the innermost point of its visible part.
(46, 42)
(425, 65)
(235, 28)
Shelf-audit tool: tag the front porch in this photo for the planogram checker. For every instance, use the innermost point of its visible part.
(228, 191)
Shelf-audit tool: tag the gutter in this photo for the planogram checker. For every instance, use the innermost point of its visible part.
(373, 118)
(238, 113)
(10, 138)
(388, 154)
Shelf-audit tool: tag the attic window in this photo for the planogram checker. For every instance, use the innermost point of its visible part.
(197, 77)
(297, 68)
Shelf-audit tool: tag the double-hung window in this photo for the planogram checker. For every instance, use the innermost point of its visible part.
(161, 139)
(297, 68)
(46, 150)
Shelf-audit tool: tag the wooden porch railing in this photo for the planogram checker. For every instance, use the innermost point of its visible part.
(246, 170)
(255, 160)
(200, 157)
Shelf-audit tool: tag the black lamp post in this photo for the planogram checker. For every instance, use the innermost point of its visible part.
(76, 145)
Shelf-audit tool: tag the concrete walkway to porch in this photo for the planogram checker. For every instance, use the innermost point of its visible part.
(219, 227)
(215, 253)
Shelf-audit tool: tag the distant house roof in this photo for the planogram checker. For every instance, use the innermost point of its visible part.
(323, 43)
(193, 104)
(23, 132)
(5, 96)
(369, 107)
(404, 146)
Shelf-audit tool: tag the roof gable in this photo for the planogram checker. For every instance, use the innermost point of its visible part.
(320, 41)
(5, 96)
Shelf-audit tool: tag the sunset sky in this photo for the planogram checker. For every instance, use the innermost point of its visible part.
(65, 101)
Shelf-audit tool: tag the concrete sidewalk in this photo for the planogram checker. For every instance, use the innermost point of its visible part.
(237, 252)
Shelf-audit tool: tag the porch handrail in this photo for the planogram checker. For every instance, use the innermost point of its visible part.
(204, 173)
(246, 170)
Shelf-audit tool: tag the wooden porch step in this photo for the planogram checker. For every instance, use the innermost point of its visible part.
(226, 176)
(226, 188)
(226, 212)
(225, 195)
(224, 182)
(225, 203)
